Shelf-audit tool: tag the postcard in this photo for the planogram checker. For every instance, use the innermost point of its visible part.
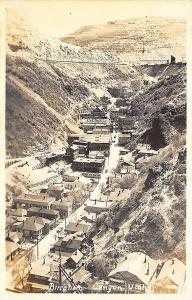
(96, 149)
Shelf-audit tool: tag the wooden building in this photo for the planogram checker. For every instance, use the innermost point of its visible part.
(77, 227)
(84, 164)
(40, 200)
(32, 229)
(73, 262)
(63, 207)
(134, 273)
(124, 139)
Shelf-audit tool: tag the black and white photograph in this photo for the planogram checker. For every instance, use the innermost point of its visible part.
(95, 147)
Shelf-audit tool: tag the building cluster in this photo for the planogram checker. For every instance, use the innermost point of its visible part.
(34, 215)
(88, 150)
(136, 274)
(139, 273)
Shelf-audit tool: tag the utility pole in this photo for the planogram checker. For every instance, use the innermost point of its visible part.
(59, 266)
(126, 287)
(65, 221)
(143, 48)
(37, 247)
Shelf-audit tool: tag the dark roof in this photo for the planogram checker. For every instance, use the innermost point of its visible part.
(34, 209)
(39, 220)
(18, 212)
(63, 253)
(73, 244)
(61, 205)
(58, 243)
(70, 244)
(78, 227)
(32, 226)
(48, 211)
(69, 178)
(93, 209)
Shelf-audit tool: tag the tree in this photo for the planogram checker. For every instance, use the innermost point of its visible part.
(21, 270)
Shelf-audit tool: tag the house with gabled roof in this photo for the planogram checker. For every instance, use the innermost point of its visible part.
(77, 227)
(31, 229)
(74, 260)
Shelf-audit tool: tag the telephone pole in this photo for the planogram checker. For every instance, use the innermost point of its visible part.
(60, 267)
(37, 247)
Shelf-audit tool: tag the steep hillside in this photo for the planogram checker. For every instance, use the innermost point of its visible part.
(130, 37)
(161, 106)
(43, 96)
(152, 218)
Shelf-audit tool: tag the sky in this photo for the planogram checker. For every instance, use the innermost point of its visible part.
(59, 18)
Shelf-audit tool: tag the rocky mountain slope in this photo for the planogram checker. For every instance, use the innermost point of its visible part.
(159, 37)
(152, 218)
(162, 105)
(44, 96)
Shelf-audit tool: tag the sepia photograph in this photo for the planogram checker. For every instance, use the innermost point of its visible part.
(95, 147)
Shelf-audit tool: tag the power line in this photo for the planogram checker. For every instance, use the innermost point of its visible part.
(80, 62)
